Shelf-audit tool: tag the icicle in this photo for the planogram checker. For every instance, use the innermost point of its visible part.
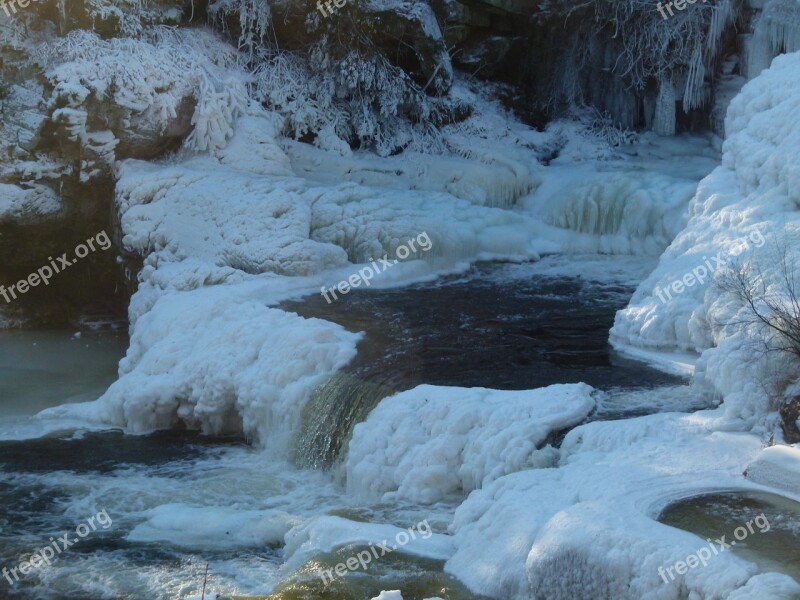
(664, 121)
(694, 92)
(776, 30)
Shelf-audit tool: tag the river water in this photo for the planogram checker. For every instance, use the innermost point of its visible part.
(508, 326)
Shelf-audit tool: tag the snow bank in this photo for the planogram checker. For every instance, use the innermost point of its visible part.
(777, 467)
(17, 203)
(218, 362)
(219, 234)
(743, 211)
(389, 595)
(496, 180)
(431, 442)
(141, 84)
(587, 528)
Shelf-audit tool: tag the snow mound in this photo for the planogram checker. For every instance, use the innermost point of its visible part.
(369, 222)
(389, 595)
(262, 227)
(588, 528)
(325, 534)
(777, 467)
(18, 203)
(218, 362)
(431, 442)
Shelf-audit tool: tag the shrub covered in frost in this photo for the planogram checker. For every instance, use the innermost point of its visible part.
(358, 99)
(337, 86)
(122, 89)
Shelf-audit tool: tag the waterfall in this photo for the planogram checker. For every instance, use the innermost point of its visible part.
(335, 407)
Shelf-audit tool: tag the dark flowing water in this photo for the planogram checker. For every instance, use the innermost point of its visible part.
(498, 326)
(507, 326)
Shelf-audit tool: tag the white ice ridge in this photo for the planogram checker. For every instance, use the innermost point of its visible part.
(212, 527)
(588, 529)
(432, 442)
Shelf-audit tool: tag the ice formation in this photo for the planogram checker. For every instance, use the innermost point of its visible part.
(431, 442)
(777, 467)
(776, 30)
(752, 194)
(36, 201)
(195, 527)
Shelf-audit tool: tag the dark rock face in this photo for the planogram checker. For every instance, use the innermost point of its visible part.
(790, 414)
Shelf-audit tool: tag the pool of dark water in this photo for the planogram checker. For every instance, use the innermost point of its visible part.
(772, 540)
(498, 326)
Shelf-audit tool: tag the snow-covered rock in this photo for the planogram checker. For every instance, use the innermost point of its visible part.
(431, 442)
(588, 528)
(777, 467)
(746, 211)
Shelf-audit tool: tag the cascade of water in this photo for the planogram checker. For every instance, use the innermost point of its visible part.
(334, 408)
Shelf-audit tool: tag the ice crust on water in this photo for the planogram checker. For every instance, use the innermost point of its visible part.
(587, 526)
(208, 527)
